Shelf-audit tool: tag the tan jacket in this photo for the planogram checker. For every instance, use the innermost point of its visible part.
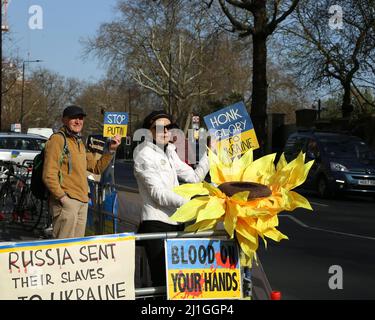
(75, 184)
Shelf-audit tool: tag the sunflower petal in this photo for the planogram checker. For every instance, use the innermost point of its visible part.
(246, 160)
(291, 175)
(261, 170)
(230, 218)
(214, 209)
(202, 226)
(282, 162)
(189, 190)
(298, 175)
(275, 235)
(216, 168)
(213, 191)
(233, 171)
(190, 209)
(241, 196)
(294, 200)
(264, 240)
(247, 231)
(267, 222)
(248, 248)
(253, 212)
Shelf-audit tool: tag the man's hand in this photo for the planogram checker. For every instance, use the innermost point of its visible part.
(115, 142)
(62, 199)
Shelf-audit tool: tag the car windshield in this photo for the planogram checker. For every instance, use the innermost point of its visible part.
(348, 148)
(18, 143)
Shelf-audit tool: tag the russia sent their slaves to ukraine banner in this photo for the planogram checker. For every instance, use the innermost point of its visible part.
(90, 268)
(233, 129)
(115, 123)
(202, 269)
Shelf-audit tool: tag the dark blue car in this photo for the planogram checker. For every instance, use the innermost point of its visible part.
(343, 163)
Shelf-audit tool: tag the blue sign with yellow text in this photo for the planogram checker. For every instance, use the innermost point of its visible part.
(233, 129)
(115, 123)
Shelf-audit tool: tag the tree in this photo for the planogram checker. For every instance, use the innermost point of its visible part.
(170, 48)
(284, 92)
(258, 19)
(110, 94)
(327, 53)
(10, 74)
(160, 45)
(45, 95)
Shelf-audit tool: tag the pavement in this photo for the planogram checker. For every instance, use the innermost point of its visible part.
(15, 234)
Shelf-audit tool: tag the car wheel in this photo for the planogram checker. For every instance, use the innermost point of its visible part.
(323, 188)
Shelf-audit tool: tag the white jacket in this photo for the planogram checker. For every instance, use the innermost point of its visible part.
(157, 173)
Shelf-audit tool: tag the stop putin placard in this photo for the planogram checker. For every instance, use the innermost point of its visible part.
(115, 123)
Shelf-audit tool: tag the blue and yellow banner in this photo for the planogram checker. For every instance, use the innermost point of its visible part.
(115, 123)
(202, 269)
(233, 129)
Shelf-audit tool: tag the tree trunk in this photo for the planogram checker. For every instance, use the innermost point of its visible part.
(187, 123)
(346, 106)
(259, 91)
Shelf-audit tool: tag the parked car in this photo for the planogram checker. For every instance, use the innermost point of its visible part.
(19, 148)
(343, 163)
(45, 132)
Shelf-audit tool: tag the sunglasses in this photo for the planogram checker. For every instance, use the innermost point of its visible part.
(161, 127)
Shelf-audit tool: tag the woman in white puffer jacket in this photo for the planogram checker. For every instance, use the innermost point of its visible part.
(158, 169)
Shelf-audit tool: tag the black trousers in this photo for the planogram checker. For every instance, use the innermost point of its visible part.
(155, 249)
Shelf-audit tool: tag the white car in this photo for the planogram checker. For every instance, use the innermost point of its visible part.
(19, 148)
(45, 132)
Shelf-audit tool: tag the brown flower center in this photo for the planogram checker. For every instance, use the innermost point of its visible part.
(257, 190)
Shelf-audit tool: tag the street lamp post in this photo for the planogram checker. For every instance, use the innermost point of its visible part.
(23, 86)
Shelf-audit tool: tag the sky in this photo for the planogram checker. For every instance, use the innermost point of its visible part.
(63, 24)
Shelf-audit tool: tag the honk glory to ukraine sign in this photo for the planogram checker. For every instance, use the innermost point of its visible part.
(202, 269)
(232, 128)
(90, 268)
(115, 123)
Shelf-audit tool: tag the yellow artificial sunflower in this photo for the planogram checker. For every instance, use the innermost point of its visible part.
(247, 200)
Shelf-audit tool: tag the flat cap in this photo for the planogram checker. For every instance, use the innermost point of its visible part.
(72, 111)
(153, 116)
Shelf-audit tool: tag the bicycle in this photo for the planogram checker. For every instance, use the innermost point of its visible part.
(18, 206)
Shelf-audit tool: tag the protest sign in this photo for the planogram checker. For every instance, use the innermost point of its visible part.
(233, 129)
(115, 123)
(202, 269)
(91, 268)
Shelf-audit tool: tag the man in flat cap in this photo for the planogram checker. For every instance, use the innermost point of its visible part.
(66, 161)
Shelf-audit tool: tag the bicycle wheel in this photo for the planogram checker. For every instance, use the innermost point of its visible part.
(45, 225)
(30, 210)
(7, 203)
